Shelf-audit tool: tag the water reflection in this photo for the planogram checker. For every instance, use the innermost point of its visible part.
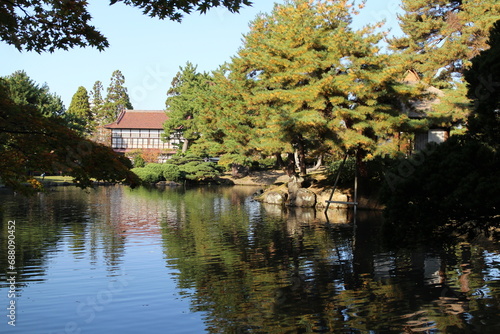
(244, 267)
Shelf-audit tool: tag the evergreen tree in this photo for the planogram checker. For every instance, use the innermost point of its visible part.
(314, 82)
(184, 103)
(79, 113)
(117, 98)
(100, 134)
(484, 90)
(440, 39)
(442, 36)
(97, 101)
(25, 92)
(227, 126)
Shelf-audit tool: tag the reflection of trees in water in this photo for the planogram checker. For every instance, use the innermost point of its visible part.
(63, 218)
(289, 271)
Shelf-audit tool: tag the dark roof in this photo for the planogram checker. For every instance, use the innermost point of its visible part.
(139, 119)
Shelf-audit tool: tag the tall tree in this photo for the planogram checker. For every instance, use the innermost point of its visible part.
(314, 81)
(227, 127)
(440, 39)
(184, 103)
(96, 100)
(79, 112)
(442, 36)
(484, 90)
(117, 98)
(26, 92)
(30, 141)
(47, 25)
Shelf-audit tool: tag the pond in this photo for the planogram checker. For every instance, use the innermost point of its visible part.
(213, 260)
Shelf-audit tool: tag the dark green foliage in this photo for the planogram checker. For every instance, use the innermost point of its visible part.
(151, 173)
(346, 177)
(484, 89)
(199, 171)
(147, 175)
(97, 100)
(264, 164)
(23, 91)
(227, 161)
(456, 185)
(184, 102)
(79, 115)
(181, 159)
(171, 173)
(195, 168)
(139, 161)
(117, 98)
(179, 168)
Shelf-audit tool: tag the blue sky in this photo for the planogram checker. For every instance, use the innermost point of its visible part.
(149, 51)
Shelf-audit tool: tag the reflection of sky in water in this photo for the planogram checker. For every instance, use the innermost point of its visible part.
(285, 268)
(492, 261)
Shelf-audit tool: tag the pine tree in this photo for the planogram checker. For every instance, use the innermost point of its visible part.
(484, 90)
(227, 127)
(184, 103)
(314, 82)
(79, 113)
(440, 39)
(442, 36)
(117, 98)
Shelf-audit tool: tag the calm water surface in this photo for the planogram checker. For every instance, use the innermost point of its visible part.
(212, 260)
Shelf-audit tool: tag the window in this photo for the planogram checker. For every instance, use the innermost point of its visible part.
(135, 133)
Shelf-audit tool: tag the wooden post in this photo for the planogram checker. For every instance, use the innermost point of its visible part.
(355, 188)
(335, 184)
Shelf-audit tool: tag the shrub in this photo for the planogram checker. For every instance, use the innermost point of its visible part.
(346, 175)
(147, 175)
(199, 171)
(454, 185)
(264, 164)
(191, 168)
(139, 161)
(171, 172)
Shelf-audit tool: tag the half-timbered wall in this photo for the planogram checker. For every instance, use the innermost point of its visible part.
(140, 139)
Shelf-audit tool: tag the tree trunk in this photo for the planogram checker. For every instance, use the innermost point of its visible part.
(185, 145)
(360, 164)
(290, 167)
(279, 161)
(296, 158)
(302, 157)
(319, 163)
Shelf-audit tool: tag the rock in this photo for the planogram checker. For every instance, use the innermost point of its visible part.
(275, 197)
(258, 193)
(275, 211)
(304, 198)
(294, 184)
(337, 196)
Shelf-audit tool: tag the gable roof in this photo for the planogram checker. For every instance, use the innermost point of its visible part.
(139, 119)
(431, 96)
